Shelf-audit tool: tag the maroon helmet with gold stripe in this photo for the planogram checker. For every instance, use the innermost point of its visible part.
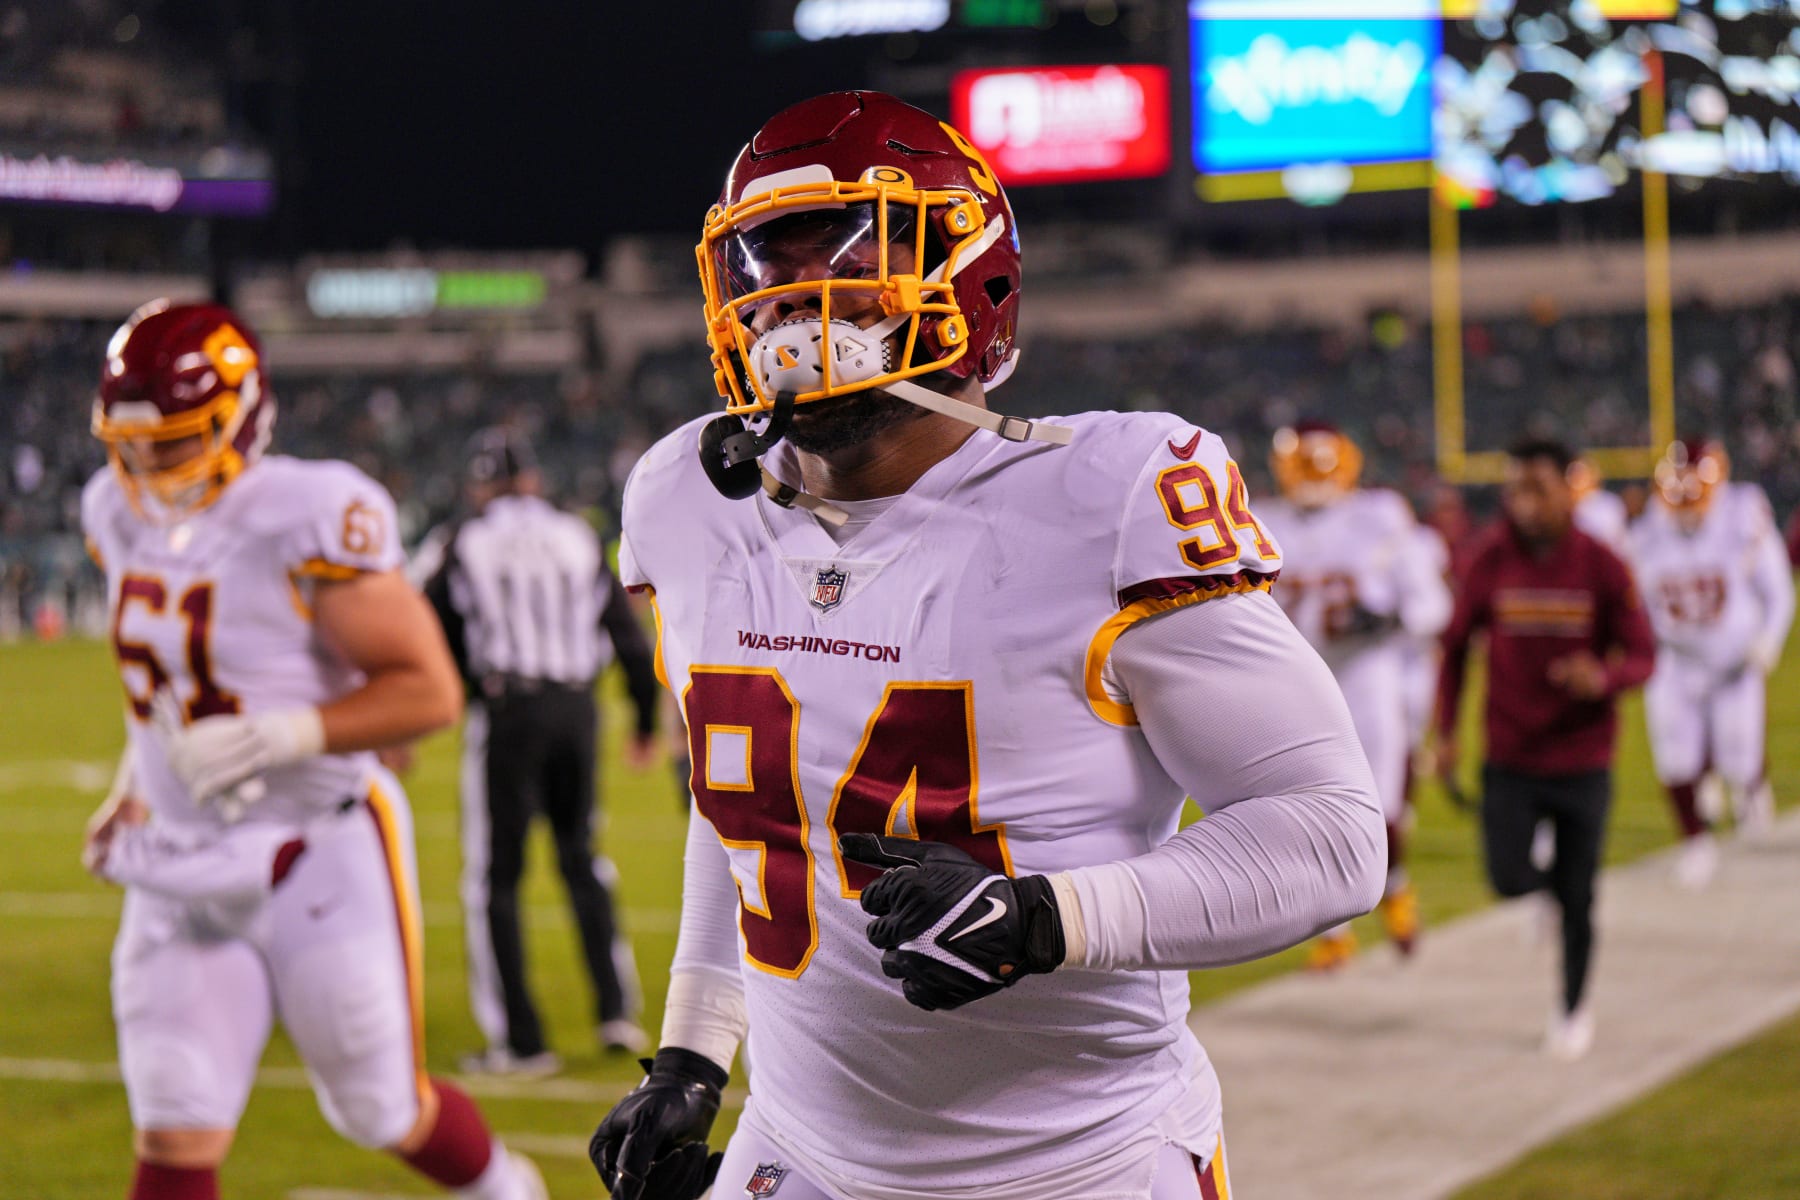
(175, 372)
(865, 173)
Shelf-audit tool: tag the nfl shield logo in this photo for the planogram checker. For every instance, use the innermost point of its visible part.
(765, 1179)
(827, 590)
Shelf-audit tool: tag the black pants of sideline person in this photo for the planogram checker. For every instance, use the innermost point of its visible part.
(532, 752)
(1512, 804)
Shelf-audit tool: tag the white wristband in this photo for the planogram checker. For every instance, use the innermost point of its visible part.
(294, 734)
(705, 1013)
(1074, 922)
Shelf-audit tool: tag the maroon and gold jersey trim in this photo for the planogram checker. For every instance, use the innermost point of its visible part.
(1215, 1180)
(324, 568)
(1147, 599)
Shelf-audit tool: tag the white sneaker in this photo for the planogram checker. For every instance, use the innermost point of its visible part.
(498, 1060)
(622, 1033)
(1697, 862)
(1756, 811)
(1570, 1035)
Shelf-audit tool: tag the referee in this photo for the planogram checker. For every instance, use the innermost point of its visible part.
(533, 616)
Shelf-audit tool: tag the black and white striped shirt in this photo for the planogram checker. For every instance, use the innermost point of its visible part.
(525, 596)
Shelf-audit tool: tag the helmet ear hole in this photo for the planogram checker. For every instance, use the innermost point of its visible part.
(998, 289)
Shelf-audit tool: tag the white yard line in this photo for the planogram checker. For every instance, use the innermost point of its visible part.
(594, 1093)
(32, 774)
(547, 1145)
(94, 906)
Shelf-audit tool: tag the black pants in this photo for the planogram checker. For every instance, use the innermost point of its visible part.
(540, 756)
(1575, 805)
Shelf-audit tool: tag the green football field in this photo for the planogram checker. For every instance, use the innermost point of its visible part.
(64, 1132)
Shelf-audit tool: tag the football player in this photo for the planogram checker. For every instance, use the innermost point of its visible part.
(1420, 660)
(1360, 584)
(947, 675)
(1715, 576)
(1598, 513)
(268, 646)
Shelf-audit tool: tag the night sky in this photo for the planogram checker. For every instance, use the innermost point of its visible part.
(521, 124)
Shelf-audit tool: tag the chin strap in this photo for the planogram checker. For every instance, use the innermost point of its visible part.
(1013, 429)
(789, 496)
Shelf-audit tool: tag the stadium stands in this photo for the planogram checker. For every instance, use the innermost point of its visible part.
(1581, 378)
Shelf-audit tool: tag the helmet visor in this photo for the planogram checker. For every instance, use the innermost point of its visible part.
(851, 243)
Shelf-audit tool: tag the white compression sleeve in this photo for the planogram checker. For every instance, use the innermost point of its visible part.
(705, 1011)
(1246, 717)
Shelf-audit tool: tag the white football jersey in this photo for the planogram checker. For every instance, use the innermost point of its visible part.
(1601, 515)
(1713, 593)
(216, 608)
(939, 675)
(1363, 550)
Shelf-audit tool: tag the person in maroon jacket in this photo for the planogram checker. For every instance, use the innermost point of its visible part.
(1566, 634)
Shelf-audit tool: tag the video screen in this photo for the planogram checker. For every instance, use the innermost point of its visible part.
(1283, 83)
(1556, 101)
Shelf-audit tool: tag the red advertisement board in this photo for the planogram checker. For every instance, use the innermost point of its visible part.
(1066, 124)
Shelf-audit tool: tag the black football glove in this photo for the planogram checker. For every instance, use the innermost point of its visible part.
(951, 930)
(652, 1145)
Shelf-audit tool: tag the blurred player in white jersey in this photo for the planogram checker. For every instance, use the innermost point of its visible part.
(1421, 658)
(1598, 513)
(1360, 584)
(955, 671)
(1714, 573)
(267, 645)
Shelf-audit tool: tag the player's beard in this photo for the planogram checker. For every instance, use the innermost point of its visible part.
(830, 426)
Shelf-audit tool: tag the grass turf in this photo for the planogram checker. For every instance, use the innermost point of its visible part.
(60, 733)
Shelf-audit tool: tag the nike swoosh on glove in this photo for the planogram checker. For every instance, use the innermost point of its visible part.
(950, 929)
(215, 756)
(652, 1145)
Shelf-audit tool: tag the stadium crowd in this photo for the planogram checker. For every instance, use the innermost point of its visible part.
(1581, 379)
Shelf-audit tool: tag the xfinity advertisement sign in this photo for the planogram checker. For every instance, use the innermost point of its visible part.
(1289, 82)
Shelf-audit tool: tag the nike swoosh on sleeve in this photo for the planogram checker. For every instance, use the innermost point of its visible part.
(1186, 449)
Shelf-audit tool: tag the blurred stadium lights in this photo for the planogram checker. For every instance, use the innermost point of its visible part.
(818, 20)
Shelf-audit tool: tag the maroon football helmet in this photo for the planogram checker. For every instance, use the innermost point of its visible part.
(1690, 474)
(847, 215)
(182, 407)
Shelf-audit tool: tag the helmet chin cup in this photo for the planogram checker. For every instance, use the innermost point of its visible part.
(729, 448)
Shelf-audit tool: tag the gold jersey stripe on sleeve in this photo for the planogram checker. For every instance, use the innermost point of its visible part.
(324, 568)
(1104, 706)
(93, 550)
(662, 672)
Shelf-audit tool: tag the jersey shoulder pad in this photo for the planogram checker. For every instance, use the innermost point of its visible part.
(666, 489)
(1387, 511)
(1751, 504)
(334, 522)
(103, 506)
(1185, 523)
